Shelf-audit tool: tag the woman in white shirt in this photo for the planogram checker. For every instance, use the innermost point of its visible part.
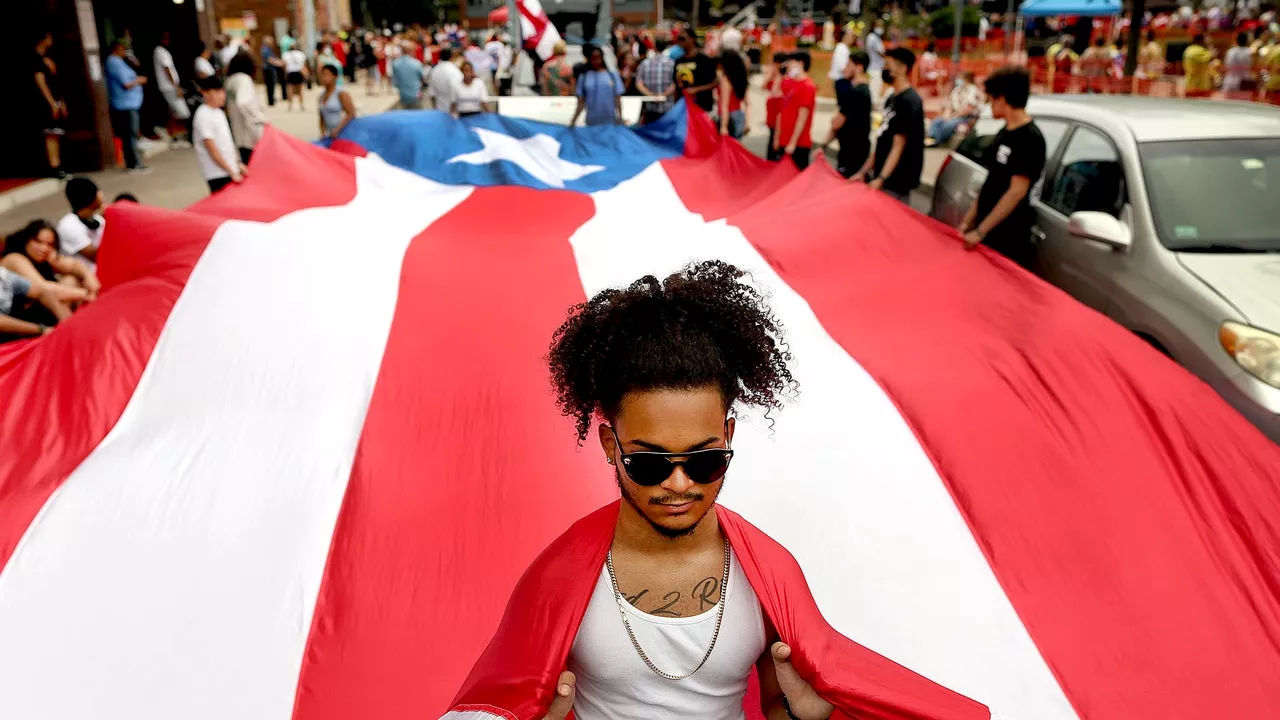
(469, 95)
(245, 113)
(295, 74)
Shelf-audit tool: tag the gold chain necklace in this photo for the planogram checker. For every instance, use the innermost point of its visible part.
(622, 610)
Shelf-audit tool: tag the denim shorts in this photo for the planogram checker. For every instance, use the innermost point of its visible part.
(11, 285)
(737, 123)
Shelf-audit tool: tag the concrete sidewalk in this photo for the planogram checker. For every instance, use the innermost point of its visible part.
(174, 181)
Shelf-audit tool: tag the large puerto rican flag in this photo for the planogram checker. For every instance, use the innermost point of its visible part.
(293, 461)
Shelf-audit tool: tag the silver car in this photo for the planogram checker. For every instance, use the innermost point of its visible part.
(1163, 214)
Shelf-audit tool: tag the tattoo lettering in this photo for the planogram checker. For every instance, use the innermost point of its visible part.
(672, 597)
(706, 592)
(635, 599)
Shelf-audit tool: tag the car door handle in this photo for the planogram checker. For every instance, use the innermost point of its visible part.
(1038, 234)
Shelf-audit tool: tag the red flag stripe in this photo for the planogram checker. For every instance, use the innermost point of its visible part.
(55, 412)
(1114, 534)
(836, 475)
(461, 429)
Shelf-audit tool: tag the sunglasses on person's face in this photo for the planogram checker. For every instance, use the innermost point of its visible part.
(648, 469)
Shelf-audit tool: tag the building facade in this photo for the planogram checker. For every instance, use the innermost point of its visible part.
(308, 19)
(83, 32)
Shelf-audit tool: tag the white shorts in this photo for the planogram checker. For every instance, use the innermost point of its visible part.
(177, 106)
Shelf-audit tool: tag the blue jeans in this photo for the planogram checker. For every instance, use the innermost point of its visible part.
(737, 124)
(942, 130)
(124, 123)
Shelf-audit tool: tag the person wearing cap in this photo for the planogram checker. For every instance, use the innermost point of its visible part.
(80, 231)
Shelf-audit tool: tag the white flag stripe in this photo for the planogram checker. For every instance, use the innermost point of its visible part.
(174, 574)
(912, 583)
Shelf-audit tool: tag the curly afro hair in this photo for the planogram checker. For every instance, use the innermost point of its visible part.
(698, 327)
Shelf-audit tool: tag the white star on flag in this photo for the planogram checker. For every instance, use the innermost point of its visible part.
(538, 155)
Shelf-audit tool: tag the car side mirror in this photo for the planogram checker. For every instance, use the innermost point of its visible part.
(1100, 227)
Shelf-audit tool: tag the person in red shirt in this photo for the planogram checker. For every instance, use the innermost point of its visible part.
(775, 81)
(795, 121)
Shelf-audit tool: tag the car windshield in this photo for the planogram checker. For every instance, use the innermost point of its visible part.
(1215, 195)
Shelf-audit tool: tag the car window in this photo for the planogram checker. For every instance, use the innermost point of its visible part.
(1214, 195)
(975, 143)
(1053, 131)
(1089, 177)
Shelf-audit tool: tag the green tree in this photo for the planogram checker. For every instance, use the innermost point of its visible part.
(943, 22)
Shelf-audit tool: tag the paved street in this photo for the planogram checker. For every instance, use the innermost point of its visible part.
(175, 180)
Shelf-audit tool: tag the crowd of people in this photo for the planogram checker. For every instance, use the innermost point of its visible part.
(218, 105)
(1247, 70)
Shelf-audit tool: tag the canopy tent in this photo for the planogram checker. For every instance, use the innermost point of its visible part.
(1086, 8)
(498, 16)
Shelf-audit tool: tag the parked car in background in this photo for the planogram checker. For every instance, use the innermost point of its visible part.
(1163, 214)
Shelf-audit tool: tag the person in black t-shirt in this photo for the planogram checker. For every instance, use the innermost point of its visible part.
(1002, 216)
(695, 73)
(852, 123)
(899, 157)
(50, 105)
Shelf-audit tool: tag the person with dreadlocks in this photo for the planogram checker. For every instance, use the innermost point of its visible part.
(662, 604)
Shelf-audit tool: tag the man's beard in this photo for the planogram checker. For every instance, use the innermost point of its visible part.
(669, 533)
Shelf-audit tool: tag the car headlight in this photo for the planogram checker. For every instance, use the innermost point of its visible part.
(1257, 351)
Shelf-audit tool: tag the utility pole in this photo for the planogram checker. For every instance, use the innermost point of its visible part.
(308, 27)
(1008, 30)
(958, 37)
(1135, 37)
(513, 29)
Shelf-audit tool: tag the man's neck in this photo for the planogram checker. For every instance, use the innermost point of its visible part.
(1017, 118)
(634, 532)
(87, 213)
(901, 84)
(859, 79)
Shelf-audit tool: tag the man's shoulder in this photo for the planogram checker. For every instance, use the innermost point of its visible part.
(911, 99)
(68, 224)
(1023, 135)
(206, 115)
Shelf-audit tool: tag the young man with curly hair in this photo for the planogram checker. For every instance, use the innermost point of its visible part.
(661, 365)
(662, 604)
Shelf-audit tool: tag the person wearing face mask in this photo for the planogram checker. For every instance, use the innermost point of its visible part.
(795, 121)
(899, 157)
(875, 53)
(80, 231)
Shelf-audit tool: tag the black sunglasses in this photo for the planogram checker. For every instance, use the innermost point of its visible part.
(652, 468)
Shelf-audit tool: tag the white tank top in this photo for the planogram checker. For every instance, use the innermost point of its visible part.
(615, 684)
